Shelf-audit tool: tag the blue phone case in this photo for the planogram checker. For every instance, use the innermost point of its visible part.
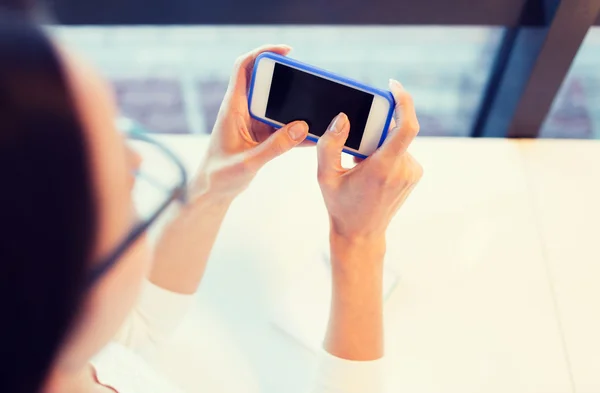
(303, 66)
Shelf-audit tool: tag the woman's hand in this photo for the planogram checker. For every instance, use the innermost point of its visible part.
(240, 145)
(361, 201)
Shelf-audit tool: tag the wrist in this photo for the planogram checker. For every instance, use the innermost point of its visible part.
(201, 191)
(357, 261)
(208, 204)
(202, 207)
(362, 237)
(372, 242)
(372, 247)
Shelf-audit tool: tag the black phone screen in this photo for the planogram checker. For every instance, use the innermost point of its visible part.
(297, 95)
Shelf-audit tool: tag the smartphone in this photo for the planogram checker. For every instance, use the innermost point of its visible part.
(283, 90)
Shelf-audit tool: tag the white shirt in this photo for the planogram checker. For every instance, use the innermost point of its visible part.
(121, 364)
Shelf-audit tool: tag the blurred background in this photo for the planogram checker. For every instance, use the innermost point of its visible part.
(491, 68)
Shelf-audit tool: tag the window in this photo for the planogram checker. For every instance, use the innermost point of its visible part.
(172, 79)
(576, 109)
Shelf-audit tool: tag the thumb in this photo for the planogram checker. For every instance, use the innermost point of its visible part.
(278, 143)
(330, 145)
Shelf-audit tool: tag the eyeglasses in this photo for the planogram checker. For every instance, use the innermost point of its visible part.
(160, 181)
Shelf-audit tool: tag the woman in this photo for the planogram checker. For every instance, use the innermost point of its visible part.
(80, 287)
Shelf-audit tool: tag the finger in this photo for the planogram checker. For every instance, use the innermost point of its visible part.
(411, 173)
(392, 126)
(408, 168)
(278, 143)
(330, 145)
(240, 79)
(358, 160)
(406, 123)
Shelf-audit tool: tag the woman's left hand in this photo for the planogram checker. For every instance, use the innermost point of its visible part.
(241, 145)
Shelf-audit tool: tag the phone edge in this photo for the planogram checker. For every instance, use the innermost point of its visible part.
(289, 61)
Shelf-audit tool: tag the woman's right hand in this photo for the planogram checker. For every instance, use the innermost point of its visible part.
(362, 201)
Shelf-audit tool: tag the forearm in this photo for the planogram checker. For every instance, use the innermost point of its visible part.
(355, 330)
(185, 243)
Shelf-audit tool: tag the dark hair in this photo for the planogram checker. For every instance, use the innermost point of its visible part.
(47, 220)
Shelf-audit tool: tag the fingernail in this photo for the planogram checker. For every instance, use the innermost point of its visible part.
(298, 131)
(338, 124)
(395, 85)
(284, 46)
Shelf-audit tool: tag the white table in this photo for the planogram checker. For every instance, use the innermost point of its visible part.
(497, 254)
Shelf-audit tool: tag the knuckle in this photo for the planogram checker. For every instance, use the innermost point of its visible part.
(324, 179)
(419, 168)
(321, 176)
(414, 170)
(239, 61)
(404, 173)
(399, 180)
(277, 147)
(411, 126)
(415, 126)
(405, 99)
(323, 142)
(419, 171)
